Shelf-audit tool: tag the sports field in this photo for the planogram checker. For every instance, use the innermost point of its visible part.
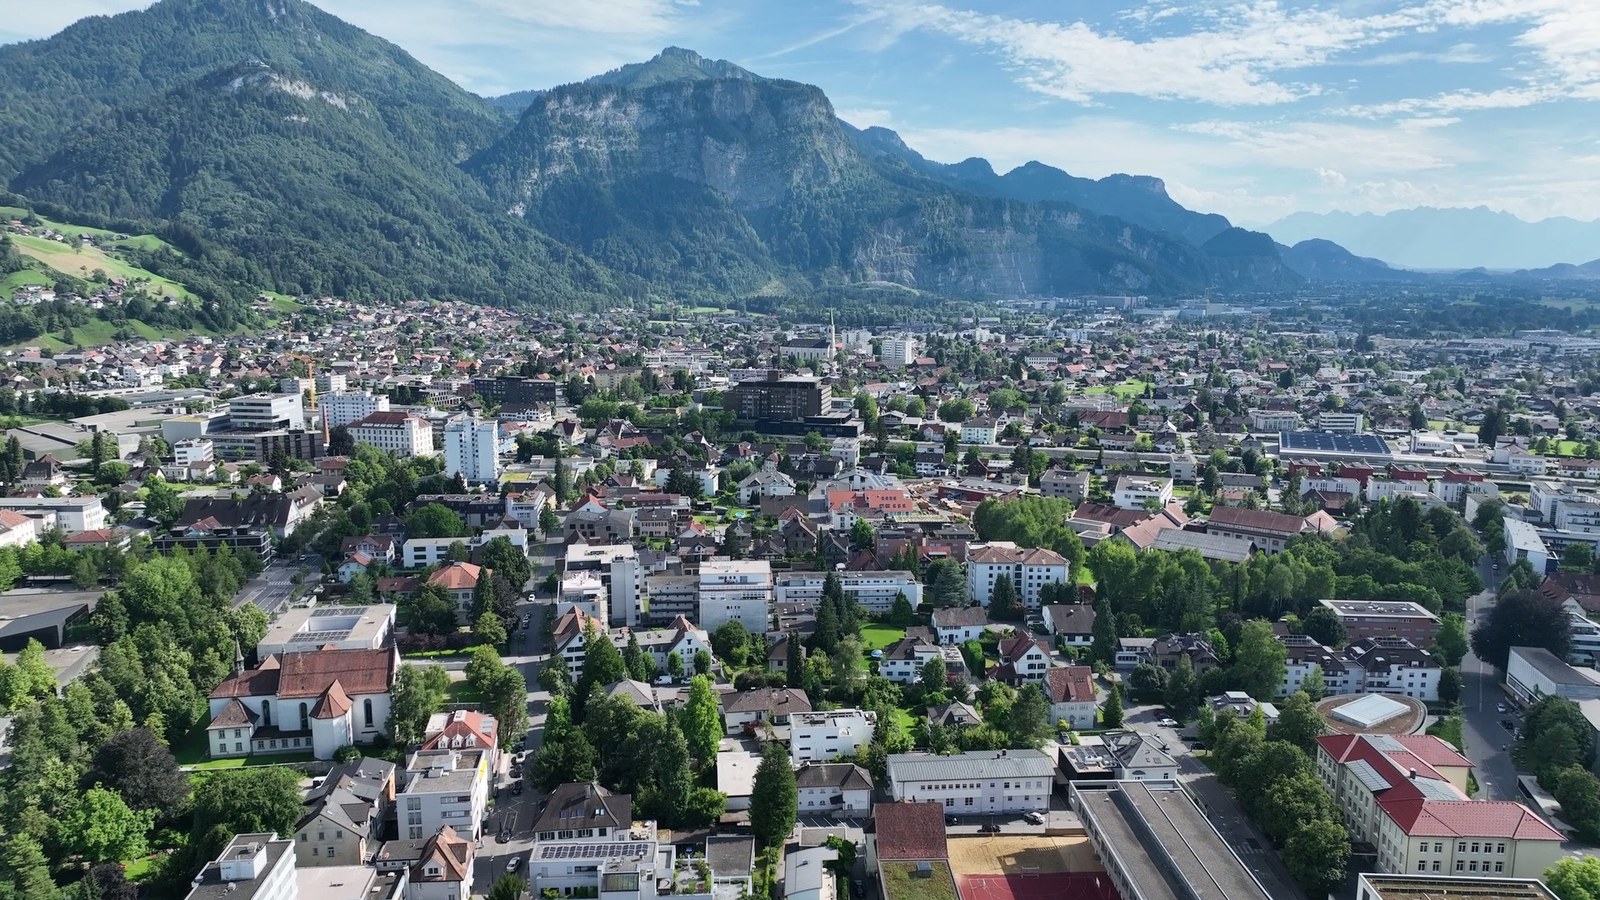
(1028, 867)
(1055, 886)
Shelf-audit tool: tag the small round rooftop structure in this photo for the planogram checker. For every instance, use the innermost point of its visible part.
(1372, 714)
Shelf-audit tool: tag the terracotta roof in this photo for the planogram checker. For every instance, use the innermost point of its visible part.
(1013, 649)
(234, 715)
(452, 852)
(1257, 520)
(262, 681)
(458, 576)
(356, 671)
(1468, 818)
(1028, 556)
(910, 830)
(1069, 684)
(333, 703)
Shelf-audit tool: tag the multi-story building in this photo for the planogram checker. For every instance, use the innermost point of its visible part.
(1385, 618)
(444, 787)
(1415, 887)
(472, 450)
(843, 788)
(401, 434)
(898, 350)
(903, 660)
(736, 590)
(1533, 673)
(748, 710)
(1142, 493)
(1070, 690)
(1406, 796)
(1269, 421)
(267, 412)
(1065, 484)
(826, 736)
(342, 824)
(513, 389)
(70, 514)
(1023, 659)
(615, 568)
(978, 782)
(341, 408)
(1340, 422)
(1029, 569)
(875, 591)
(319, 701)
(251, 867)
(1269, 531)
(1393, 666)
(583, 834)
(786, 399)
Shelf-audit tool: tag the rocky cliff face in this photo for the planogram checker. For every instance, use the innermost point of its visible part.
(772, 186)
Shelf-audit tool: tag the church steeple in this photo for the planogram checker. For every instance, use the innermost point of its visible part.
(238, 658)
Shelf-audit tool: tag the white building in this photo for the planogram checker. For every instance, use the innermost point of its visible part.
(194, 453)
(472, 450)
(736, 590)
(1523, 542)
(417, 553)
(266, 412)
(898, 351)
(875, 591)
(586, 833)
(978, 782)
(318, 701)
(401, 434)
(980, 430)
(70, 514)
(1534, 672)
(806, 875)
(251, 867)
(308, 628)
(16, 529)
(444, 787)
(341, 408)
(616, 569)
(826, 736)
(843, 788)
(1029, 570)
(1578, 515)
(1142, 493)
(1340, 422)
(1268, 421)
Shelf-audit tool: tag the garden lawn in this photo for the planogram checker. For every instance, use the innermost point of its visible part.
(877, 636)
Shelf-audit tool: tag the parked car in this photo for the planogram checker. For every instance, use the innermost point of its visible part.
(516, 788)
(1501, 708)
(1167, 723)
(512, 863)
(1035, 817)
(1508, 725)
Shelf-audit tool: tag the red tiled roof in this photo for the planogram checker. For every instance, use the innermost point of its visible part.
(1069, 684)
(910, 830)
(458, 576)
(1468, 818)
(333, 703)
(308, 674)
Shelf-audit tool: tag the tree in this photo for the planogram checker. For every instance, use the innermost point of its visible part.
(1578, 792)
(731, 642)
(506, 560)
(1324, 626)
(1111, 713)
(1004, 606)
(1148, 682)
(1259, 660)
(675, 666)
(549, 520)
(1571, 743)
(1182, 695)
(252, 800)
(1298, 722)
(1578, 557)
(1575, 878)
(774, 798)
(1316, 854)
(418, 692)
(1028, 721)
(489, 630)
(429, 611)
(1451, 642)
(24, 870)
(556, 676)
(862, 536)
(902, 613)
(162, 502)
(434, 520)
(1524, 618)
(1450, 685)
(702, 722)
(138, 765)
(702, 662)
(933, 675)
(102, 827)
(32, 676)
(1104, 646)
(507, 887)
(602, 663)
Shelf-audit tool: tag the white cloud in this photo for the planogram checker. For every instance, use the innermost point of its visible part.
(1331, 176)
(866, 117)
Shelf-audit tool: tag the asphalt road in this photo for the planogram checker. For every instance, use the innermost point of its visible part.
(1488, 744)
(275, 585)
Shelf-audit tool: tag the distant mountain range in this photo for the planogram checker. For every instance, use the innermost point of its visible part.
(1452, 238)
(331, 161)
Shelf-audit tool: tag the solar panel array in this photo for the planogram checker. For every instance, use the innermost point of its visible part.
(1436, 790)
(319, 637)
(1368, 776)
(1331, 442)
(636, 849)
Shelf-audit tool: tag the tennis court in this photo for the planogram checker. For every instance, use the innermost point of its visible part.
(1050, 886)
(1032, 854)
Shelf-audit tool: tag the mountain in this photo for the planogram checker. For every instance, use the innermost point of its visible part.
(1140, 199)
(312, 157)
(1454, 238)
(694, 173)
(1589, 271)
(1320, 260)
(323, 156)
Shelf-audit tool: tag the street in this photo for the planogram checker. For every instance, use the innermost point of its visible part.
(275, 585)
(1480, 691)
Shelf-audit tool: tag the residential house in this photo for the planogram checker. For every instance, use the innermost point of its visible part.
(1024, 659)
(747, 710)
(459, 581)
(1070, 690)
(841, 788)
(345, 813)
(826, 736)
(445, 787)
(957, 625)
(1071, 623)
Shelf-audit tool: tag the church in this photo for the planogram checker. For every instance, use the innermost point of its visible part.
(317, 700)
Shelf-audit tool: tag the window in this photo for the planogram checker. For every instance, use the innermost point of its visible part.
(303, 837)
(366, 711)
(949, 802)
(1436, 865)
(1500, 848)
(1460, 866)
(1472, 866)
(1422, 867)
(1499, 867)
(1474, 846)
(1461, 846)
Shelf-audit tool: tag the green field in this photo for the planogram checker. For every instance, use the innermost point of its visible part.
(82, 262)
(1127, 390)
(877, 636)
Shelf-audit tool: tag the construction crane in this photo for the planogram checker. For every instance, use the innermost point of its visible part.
(311, 375)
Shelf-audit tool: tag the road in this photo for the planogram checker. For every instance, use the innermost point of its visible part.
(1488, 744)
(275, 585)
(1220, 808)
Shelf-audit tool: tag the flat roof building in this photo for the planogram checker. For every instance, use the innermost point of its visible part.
(1385, 619)
(1443, 887)
(1534, 672)
(1157, 845)
(315, 627)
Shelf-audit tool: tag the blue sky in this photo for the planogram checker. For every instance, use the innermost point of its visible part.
(1254, 108)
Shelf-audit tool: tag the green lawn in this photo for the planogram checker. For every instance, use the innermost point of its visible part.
(83, 261)
(877, 636)
(135, 869)
(906, 719)
(461, 692)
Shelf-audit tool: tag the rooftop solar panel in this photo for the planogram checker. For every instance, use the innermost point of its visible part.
(1368, 776)
(1331, 442)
